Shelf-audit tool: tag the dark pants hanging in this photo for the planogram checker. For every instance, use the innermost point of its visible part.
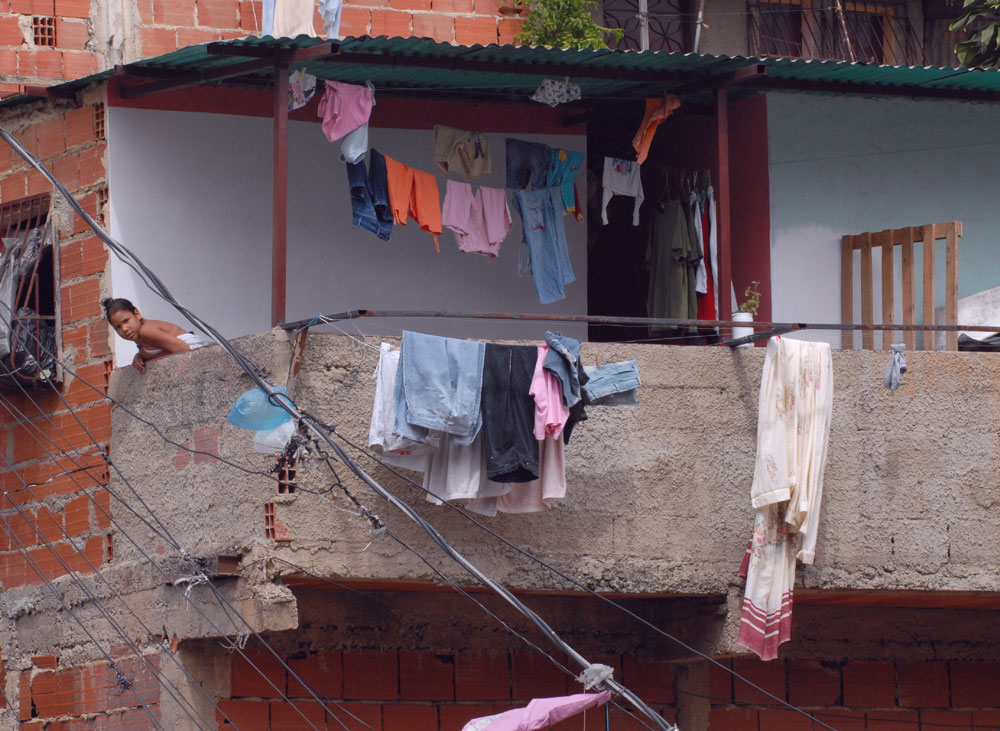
(509, 413)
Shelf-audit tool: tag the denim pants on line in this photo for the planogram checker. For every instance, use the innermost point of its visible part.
(439, 387)
(562, 361)
(613, 384)
(509, 413)
(544, 236)
(370, 196)
(527, 163)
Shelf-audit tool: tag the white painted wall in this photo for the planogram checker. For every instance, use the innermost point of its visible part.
(191, 196)
(845, 164)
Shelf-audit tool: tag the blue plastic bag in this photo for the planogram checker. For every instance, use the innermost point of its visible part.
(253, 411)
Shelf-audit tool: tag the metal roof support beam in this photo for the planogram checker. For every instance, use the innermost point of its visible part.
(279, 189)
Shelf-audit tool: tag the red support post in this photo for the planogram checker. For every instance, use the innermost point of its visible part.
(279, 218)
(722, 197)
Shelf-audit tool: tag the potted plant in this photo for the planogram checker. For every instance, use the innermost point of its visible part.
(746, 312)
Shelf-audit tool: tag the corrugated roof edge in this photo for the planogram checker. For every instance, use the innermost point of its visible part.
(815, 71)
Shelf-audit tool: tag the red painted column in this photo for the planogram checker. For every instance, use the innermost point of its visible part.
(722, 198)
(279, 218)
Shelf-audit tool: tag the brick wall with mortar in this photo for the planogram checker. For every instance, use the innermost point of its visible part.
(36, 426)
(45, 41)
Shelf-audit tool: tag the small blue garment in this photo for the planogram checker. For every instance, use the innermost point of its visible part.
(253, 411)
(267, 19)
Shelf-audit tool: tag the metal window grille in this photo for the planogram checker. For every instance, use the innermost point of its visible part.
(44, 31)
(666, 23)
(879, 32)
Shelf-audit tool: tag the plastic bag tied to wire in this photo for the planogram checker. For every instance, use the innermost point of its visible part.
(254, 411)
(892, 377)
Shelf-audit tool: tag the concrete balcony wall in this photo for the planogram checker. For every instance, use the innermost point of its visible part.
(658, 500)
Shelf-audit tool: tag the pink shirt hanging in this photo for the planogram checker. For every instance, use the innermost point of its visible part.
(344, 108)
(540, 713)
(551, 413)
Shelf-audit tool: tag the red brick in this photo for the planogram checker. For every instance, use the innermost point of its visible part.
(250, 15)
(410, 717)
(469, 31)
(489, 7)
(72, 34)
(72, 8)
(102, 510)
(173, 12)
(733, 719)
(248, 682)
(323, 673)
(391, 23)
(218, 13)
(355, 21)
(21, 526)
(922, 684)
(986, 720)
(410, 4)
(51, 138)
(244, 715)
(651, 680)
(76, 516)
(92, 166)
(371, 675)
(433, 25)
(782, 719)
(720, 683)
(80, 300)
(67, 171)
(891, 720)
(975, 684)
(28, 137)
(813, 683)
(425, 676)
(508, 29)
(50, 525)
(946, 720)
(206, 444)
(768, 675)
(356, 716)
(841, 720)
(453, 6)
(89, 203)
(194, 36)
(77, 64)
(157, 41)
(45, 662)
(145, 8)
(297, 716)
(482, 676)
(42, 62)
(79, 126)
(453, 718)
(535, 676)
(624, 718)
(10, 32)
(12, 187)
(100, 339)
(37, 183)
(32, 7)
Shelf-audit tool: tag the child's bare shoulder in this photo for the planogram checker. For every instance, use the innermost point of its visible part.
(161, 326)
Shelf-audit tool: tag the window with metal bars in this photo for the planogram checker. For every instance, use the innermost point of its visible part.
(655, 25)
(29, 292)
(877, 32)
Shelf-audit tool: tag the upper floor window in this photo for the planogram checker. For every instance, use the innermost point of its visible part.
(667, 27)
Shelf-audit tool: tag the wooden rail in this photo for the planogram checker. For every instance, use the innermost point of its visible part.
(887, 241)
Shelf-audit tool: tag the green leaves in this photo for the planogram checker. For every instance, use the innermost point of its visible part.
(981, 20)
(564, 24)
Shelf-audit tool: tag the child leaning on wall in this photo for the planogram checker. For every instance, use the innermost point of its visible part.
(154, 338)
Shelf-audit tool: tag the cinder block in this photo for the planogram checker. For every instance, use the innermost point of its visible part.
(767, 675)
(426, 676)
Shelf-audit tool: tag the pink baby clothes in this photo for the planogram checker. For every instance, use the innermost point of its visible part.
(550, 411)
(480, 221)
(344, 108)
(540, 713)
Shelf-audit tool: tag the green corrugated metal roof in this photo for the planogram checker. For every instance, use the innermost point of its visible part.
(423, 64)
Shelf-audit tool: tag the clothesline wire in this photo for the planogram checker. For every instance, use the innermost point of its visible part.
(256, 375)
(573, 581)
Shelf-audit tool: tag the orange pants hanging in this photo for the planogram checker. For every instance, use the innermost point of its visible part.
(414, 194)
(657, 110)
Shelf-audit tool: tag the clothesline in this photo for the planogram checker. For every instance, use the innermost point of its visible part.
(631, 321)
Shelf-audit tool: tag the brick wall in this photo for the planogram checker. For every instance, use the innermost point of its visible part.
(869, 695)
(167, 26)
(45, 41)
(71, 144)
(421, 691)
(89, 697)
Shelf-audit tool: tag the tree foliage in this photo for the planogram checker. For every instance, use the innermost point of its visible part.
(980, 19)
(563, 24)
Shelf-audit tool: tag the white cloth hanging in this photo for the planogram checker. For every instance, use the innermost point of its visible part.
(793, 430)
(293, 18)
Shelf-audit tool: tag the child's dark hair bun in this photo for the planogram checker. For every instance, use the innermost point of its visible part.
(112, 305)
(106, 302)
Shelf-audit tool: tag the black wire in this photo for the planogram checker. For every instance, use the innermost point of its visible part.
(571, 580)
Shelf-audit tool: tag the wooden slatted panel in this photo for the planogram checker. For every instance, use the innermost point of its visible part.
(908, 286)
(930, 234)
(887, 241)
(847, 290)
(951, 286)
(867, 295)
